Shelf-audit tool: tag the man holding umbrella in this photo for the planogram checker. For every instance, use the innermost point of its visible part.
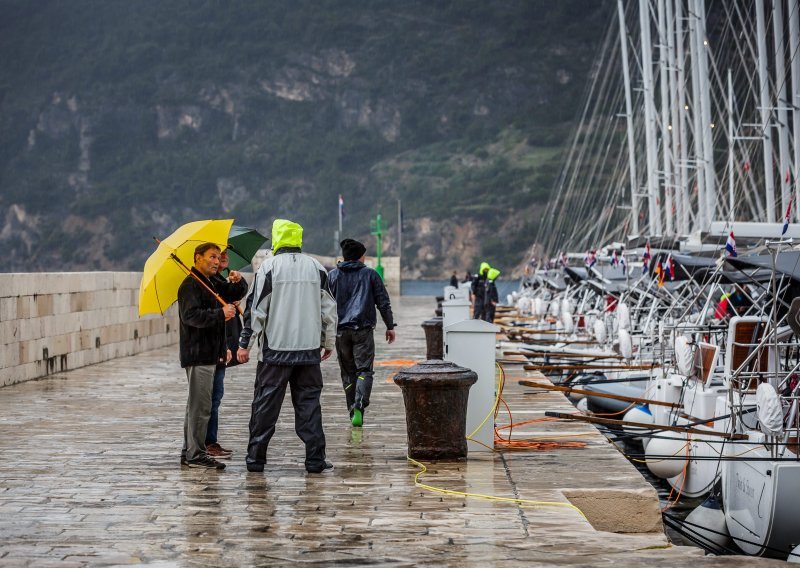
(202, 348)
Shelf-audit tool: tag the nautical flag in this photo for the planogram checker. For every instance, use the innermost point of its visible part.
(590, 259)
(562, 258)
(646, 258)
(670, 268)
(791, 198)
(746, 167)
(614, 259)
(341, 205)
(659, 272)
(730, 246)
(788, 214)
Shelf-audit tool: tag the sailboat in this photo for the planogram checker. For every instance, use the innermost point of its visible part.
(723, 392)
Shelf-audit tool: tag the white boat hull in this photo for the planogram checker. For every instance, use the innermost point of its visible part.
(762, 502)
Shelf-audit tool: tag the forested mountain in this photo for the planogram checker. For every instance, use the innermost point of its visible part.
(122, 120)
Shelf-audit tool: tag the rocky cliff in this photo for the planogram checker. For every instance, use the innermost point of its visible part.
(122, 121)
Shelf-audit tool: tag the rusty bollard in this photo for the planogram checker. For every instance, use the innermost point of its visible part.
(435, 394)
(434, 338)
(438, 310)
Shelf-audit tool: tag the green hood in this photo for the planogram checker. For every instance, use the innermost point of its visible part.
(484, 268)
(286, 234)
(492, 274)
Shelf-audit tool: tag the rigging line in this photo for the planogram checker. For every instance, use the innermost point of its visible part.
(559, 185)
(579, 178)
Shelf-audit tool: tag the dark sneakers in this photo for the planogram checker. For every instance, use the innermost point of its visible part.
(205, 463)
(327, 468)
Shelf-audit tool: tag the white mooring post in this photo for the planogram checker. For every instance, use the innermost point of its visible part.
(453, 293)
(453, 311)
(471, 344)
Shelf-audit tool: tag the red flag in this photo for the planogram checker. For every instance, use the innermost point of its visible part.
(746, 166)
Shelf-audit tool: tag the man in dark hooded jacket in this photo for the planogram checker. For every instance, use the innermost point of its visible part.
(358, 289)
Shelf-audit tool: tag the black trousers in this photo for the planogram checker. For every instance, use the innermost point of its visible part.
(477, 310)
(355, 349)
(488, 312)
(305, 382)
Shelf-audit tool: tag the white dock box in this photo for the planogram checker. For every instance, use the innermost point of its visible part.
(471, 344)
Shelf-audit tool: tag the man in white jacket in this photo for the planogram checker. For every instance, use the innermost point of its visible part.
(291, 316)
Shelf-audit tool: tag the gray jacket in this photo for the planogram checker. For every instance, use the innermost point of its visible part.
(290, 312)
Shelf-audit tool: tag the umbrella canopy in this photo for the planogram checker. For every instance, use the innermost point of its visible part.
(163, 274)
(243, 242)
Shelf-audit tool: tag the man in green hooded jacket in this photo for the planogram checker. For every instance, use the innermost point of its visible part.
(477, 291)
(291, 316)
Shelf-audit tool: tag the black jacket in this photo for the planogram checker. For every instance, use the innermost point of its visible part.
(478, 290)
(491, 292)
(233, 327)
(202, 334)
(357, 290)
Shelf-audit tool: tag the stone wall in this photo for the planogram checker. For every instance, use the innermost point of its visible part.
(53, 322)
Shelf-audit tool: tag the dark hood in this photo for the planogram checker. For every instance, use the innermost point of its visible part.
(351, 265)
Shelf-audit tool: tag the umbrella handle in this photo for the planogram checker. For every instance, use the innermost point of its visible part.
(188, 271)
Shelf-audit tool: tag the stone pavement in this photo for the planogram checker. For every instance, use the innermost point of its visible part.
(90, 475)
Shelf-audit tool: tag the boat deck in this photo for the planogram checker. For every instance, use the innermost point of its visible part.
(90, 475)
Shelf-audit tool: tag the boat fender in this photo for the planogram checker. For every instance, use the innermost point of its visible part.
(566, 306)
(666, 455)
(639, 413)
(769, 410)
(600, 331)
(555, 308)
(709, 514)
(684, 356)
(625, 344)
(566, 319)
(623, 316)
(583, 405)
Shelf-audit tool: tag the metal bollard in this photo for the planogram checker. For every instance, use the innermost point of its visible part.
(434, 338)
(435, 394)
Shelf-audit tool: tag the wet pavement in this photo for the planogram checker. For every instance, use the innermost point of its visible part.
(90, 475)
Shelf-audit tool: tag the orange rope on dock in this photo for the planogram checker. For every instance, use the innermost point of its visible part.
(507, 443)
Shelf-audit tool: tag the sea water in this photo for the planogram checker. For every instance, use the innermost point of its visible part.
(436, 288)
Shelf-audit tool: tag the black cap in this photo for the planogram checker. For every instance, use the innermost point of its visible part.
(352, 249)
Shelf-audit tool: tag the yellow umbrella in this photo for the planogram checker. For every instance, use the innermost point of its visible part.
(163, 274)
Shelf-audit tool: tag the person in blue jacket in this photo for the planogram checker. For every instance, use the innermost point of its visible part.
(358, 289)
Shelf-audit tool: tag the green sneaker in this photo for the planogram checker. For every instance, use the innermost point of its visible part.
(358, 417)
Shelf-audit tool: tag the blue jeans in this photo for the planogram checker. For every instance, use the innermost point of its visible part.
(216, 399)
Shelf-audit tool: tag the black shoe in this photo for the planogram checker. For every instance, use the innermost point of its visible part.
(184, 461)
(255, 467)
(206, 463)
(327, 468)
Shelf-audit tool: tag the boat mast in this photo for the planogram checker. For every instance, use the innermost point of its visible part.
(705, 111)
(698, 129)
(794, 45)
(731, 142)
(665, 123)
(763, 78)
(623, 38)
(782, 103)
(675, 187)
(649, 118)
(682, 107)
